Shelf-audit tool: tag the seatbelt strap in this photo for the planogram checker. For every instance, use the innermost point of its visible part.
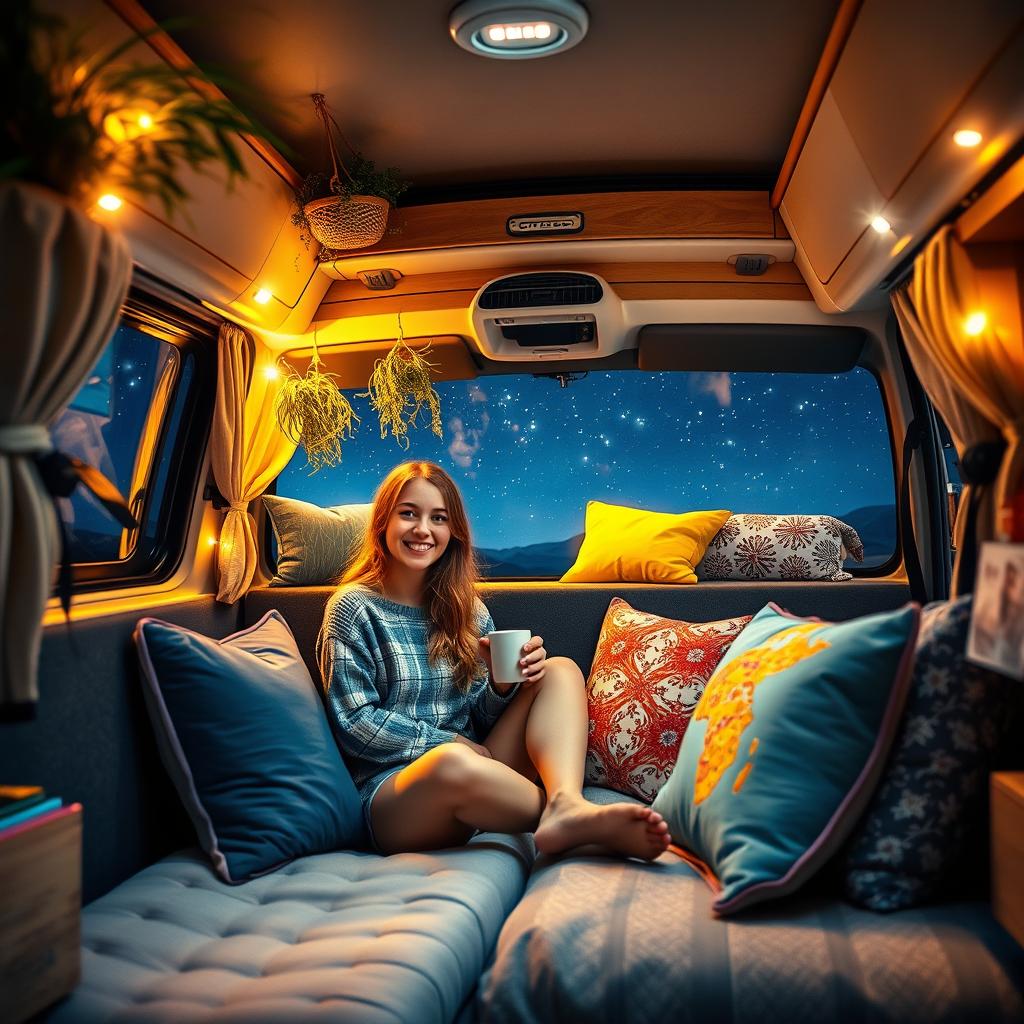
(911, 558)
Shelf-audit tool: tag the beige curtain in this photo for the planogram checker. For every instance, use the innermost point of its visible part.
(975, 381)
(63, 280)
(247, 453)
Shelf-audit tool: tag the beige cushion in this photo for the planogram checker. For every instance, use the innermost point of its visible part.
(314, 544)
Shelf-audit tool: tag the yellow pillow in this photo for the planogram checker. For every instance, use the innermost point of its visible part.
(632, 545)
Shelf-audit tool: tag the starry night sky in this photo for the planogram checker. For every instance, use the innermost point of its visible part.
(528, 455)
(103, 426)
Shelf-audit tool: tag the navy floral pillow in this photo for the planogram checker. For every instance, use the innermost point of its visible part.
(915, 828)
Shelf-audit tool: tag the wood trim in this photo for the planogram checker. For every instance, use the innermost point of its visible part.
(341, 302)
(997, 214)
(139, 20)
(613, 273)
(388, 303)
(448, 355)
(781, 231)
(605, 215)
(834, 45)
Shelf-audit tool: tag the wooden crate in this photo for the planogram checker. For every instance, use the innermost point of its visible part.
(41, 872)
(1008, 851)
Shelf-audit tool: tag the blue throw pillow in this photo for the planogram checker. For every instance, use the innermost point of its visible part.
(785, 748)
(242, 732)
(934, 783)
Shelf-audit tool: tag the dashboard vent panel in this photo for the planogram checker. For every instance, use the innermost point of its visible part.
(531, 290)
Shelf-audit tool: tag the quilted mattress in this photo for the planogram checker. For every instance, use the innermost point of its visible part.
(336, 937)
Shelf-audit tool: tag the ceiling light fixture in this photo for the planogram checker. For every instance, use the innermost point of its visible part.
(109, 201)
(881, 225)
(510, 31)
(967, 137)
(263, 296)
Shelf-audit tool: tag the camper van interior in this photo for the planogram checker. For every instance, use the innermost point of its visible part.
(512, 511)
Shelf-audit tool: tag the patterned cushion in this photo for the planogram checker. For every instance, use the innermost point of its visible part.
(794, 547)
(786, 747)
(314, 544)
(916, 825)
(648, 674)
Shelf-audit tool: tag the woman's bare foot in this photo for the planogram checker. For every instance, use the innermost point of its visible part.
(631, 830)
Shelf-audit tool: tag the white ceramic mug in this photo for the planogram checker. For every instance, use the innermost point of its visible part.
(506, 650)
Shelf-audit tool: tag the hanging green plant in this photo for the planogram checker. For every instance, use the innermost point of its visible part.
(400, 387)
(312, 411)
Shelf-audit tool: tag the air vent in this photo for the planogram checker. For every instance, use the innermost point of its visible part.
(531, 290)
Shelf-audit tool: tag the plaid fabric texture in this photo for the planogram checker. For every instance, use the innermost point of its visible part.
(387, 705)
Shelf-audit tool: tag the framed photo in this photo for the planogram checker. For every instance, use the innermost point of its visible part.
(996, 638)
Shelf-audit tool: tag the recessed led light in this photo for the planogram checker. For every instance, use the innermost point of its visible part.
(881, 225)
(510, 31)
(271, 372)
(967, 137)
(263, 296)
(975, 323)
(110, 202)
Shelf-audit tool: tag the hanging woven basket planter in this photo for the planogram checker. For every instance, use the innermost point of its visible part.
(352, 223)
(354, 213)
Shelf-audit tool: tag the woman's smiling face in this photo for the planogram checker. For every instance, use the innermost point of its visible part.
(418, 532)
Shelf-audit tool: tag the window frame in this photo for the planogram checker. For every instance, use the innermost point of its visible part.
(165, 314)
(887, 568)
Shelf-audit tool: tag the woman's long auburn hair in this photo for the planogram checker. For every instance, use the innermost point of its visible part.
(449, 592)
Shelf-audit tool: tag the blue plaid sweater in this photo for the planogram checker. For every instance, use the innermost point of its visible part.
(386, 703)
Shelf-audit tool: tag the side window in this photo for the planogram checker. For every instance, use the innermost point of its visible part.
(131, 420)
(528, 455)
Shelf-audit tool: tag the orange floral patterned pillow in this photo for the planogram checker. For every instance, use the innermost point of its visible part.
(648, 674)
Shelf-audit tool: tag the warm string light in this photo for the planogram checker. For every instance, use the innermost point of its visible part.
(975, 323)
(967, 137)
(109, 201)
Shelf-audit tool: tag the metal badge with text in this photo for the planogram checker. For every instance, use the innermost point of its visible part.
(545, 224)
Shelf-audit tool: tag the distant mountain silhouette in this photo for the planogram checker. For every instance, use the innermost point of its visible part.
(550, 558)
(875, 524)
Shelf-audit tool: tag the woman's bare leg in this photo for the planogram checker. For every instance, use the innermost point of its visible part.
(546, 726)
(444, 796)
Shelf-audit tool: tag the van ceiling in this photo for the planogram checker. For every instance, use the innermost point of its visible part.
(659, 90)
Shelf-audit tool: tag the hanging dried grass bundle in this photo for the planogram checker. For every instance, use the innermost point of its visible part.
(313, 412)
(400, 387)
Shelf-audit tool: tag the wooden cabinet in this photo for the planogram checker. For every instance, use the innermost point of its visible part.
(1008, 851)
(41, 872)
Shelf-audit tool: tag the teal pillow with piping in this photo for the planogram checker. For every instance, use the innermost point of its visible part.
(314, 545)
(241, 730)
(785, 748)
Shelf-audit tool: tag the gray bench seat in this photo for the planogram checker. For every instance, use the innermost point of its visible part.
(599, 940)
(347, 936)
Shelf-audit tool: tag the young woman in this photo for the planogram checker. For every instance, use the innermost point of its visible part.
(436, 748)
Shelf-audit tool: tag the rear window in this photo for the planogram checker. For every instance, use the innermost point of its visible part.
(528, 454)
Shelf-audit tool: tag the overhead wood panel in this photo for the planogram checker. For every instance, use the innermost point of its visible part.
(605, 215)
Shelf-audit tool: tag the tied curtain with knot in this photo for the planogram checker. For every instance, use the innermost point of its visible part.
(973, 373)
(63, 279)
(248, 452)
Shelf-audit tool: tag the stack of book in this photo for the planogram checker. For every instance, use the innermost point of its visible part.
(21, 804)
